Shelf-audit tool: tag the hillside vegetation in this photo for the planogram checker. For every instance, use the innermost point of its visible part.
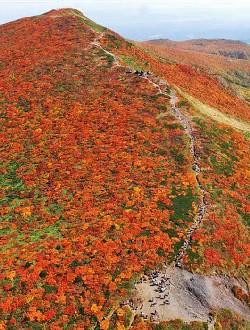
(98, 181)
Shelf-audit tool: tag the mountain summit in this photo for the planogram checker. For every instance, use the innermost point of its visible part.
(125, 184)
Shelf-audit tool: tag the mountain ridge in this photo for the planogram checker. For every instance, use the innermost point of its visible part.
(233, 41)
(203, 45)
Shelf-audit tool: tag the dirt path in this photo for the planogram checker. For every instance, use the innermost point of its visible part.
(96, 43)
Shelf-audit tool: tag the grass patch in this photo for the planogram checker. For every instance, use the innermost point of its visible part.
(93, 25)
(182, 205)
(215, 114)
(161, 206)
(50, 231)
(179, 158)
(129, 61)
(11, 183)
(182, 104)
(160, 252)
(145, 233)
(156, 96)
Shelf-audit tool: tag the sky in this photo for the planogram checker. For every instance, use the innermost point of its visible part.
(147, 19)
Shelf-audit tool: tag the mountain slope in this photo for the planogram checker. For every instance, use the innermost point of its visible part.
(98, 181)
(227, 60)
(198, 83)
(83, 188)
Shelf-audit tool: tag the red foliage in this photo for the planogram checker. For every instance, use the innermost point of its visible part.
(49, 314)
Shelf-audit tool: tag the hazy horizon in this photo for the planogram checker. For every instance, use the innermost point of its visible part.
(144, 20)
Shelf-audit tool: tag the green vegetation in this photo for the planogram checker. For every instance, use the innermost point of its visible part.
(128, 317)
(183, 104)
(158, 95)
(160, 252)
(94, 25)
(161, 206)
(175, 153)
(182, 205)
(194, 257)
(50, 231)
(145, 233)
(11, 183)
(129, 61)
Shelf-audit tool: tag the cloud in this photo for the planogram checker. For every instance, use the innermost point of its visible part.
(185, 20)
(155, 36)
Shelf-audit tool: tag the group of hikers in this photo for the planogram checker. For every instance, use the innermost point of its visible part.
(162, 283)
(139, 73)
(154, 316)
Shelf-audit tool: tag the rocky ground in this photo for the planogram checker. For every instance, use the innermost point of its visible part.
(186, 296)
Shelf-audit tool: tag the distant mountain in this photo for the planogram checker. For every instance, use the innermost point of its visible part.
(228, 59)
(229, 48)
(124, 180)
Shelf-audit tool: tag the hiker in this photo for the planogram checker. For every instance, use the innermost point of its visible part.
(178, 264)
(153, 302)
(210, 317)
(142, 315)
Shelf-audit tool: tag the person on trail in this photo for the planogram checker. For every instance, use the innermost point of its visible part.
(129, 71)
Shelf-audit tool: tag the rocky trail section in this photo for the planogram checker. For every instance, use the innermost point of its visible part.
(193, 150)
(174, 293)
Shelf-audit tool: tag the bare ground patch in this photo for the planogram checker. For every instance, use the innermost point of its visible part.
(214, 113)
(191, 297)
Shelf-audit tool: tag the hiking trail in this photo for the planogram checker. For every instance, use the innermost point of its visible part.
(193, 150)
(172, 292)
(96, 43)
